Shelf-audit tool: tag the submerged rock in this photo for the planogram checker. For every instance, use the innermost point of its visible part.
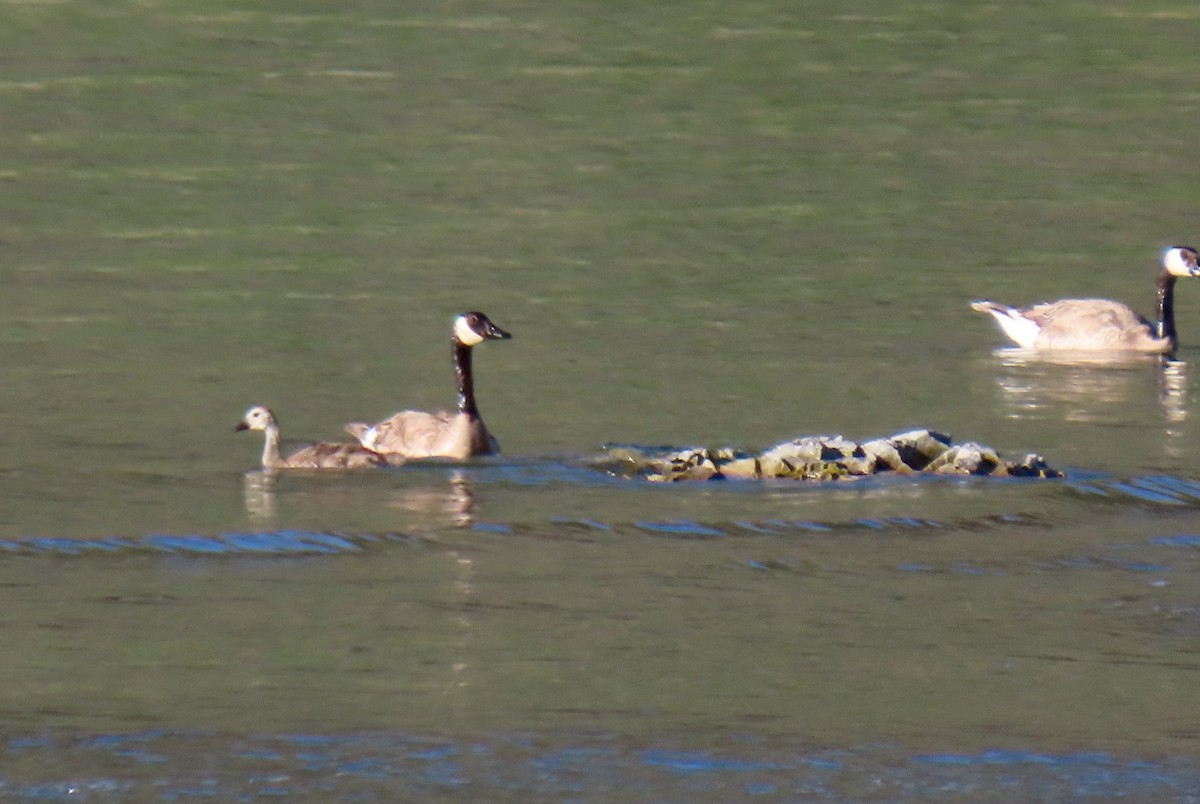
(823, 458)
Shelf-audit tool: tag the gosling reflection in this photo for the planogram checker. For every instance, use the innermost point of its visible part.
(258, 495)
(1083, 388)
(448, 500)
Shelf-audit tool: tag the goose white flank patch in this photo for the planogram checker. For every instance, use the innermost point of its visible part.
(322, 455)
(442, 434)
(1099, 324)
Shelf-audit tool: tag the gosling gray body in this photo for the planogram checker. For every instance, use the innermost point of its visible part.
(322, 455)
(456, 434)
(1099, 324)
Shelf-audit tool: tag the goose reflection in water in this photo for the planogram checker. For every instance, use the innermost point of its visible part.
(452, 501)
(258, 495)
(455, 501)
(1084, 388)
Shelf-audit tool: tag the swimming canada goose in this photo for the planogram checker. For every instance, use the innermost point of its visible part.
(442, 434)
(1099, 324)
(323, 455)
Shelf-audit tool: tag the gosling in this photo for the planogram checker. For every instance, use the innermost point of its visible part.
(322, 455)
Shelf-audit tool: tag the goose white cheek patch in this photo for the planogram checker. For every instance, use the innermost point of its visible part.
(1178, 263)
(464, 333)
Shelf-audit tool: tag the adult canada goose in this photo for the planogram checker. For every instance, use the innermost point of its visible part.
(322, 455)
(1099, 324)
(442, 434)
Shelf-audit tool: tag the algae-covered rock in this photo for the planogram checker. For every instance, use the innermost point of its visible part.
(817, 458)
(1032, 465)
(691, 464)
(965, 459)
(859, 464)
(835, 448)
(885, 455)
(745, 468)
(799, 451)
(918, 448)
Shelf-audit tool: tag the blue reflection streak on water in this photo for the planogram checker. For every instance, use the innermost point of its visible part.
(1177, 485)
(753, 528)
(187, 544)
(440, 752)
(315, 739)
(1181, 540)
(1142, 492)
(1164, 489)
(260, 753)
(1137, 566)
(371, 768)
(587, 523)
(284, 542)
(1151, 489)
(913, 522)
(16, 744)
(70, 791)
(699, 762)
(1086, 774)
(682, 527)
(995, 756)
(397, 766)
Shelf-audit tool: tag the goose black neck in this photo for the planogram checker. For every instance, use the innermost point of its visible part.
(1165, 326)
(466, 381)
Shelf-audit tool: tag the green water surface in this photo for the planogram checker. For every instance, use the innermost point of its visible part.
(704, 223)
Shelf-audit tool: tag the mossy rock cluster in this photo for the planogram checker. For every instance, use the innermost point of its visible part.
(825, 458)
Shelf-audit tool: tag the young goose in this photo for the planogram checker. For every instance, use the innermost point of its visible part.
(322, 455)
(1099, 324)
(442, 434)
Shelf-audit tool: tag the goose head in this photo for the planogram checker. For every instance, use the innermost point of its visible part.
(1181, 261)
(256, 418)
(475, 327)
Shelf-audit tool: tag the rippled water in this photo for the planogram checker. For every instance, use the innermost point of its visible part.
(705, 226)
(520, 766)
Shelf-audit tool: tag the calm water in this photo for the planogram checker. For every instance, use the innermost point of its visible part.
(704, 224)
